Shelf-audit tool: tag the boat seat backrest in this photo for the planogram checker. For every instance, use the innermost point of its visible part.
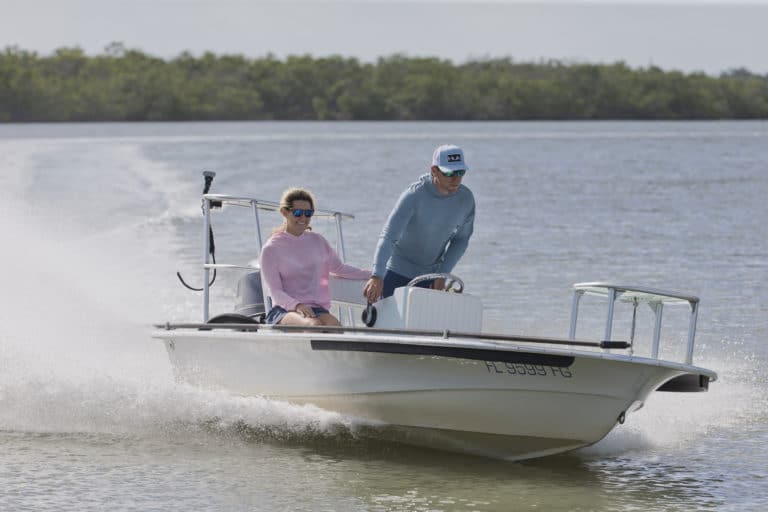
(348, 292)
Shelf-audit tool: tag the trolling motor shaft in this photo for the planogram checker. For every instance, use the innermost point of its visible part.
(208, 181)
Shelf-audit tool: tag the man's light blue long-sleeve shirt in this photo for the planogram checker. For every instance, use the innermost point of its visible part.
(425, 232)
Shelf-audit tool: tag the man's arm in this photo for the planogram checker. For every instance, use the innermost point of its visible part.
(390, 233)
(459, 243)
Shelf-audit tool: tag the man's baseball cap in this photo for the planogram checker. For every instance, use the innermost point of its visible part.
(449, 158)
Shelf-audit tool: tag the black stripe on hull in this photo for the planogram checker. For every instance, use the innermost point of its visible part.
(478, 354)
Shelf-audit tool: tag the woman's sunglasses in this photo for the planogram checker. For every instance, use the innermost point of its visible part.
(298, 212)
(451, 174)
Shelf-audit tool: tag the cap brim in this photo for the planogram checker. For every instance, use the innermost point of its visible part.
(451, 168)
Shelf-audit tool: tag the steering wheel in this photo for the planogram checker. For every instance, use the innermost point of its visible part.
(452, 283)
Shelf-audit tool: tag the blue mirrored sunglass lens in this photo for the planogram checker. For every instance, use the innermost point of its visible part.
(298, 212)
(451, 174)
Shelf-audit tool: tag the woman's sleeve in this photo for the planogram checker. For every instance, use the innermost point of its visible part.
(341, 269)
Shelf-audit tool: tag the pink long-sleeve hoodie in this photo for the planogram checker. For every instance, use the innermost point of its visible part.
(296, 269)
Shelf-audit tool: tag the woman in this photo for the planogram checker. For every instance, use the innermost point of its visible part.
(296, 263)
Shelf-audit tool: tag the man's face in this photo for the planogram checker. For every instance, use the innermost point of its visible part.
(445, 186)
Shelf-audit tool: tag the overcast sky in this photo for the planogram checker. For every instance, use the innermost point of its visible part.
(687, 35)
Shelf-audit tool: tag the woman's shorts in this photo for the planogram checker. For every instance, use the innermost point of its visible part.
(277, 313)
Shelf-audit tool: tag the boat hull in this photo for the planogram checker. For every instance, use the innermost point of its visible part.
(499, 400)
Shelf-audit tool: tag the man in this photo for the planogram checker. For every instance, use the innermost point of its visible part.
(429, 228)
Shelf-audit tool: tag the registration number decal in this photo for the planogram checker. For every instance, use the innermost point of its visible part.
(541, 370)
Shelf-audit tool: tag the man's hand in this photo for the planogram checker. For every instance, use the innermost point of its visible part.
(438, 284)
(372, 289)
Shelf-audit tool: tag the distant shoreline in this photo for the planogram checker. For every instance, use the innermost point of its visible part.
(123, 85)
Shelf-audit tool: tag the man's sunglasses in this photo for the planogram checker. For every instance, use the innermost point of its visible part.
(451, 174)
(298, 212)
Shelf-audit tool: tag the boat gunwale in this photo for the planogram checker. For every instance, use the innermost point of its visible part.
(252, 332)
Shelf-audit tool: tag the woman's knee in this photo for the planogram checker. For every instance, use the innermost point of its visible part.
(328, 319)
(293, 318)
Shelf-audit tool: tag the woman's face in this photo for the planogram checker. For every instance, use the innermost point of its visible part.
(296, 225)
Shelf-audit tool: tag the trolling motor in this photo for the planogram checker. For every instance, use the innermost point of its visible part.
(208, 181)
(208, 177)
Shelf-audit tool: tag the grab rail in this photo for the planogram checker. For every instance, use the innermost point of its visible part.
(635, 295)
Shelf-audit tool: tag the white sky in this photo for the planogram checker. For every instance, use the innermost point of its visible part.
(688, 35)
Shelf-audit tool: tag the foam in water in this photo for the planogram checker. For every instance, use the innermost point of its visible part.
(678, 421)
(75, 347)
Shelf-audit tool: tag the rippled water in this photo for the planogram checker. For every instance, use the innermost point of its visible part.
(98, 218)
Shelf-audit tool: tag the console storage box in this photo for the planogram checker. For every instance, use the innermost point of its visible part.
(426, 309)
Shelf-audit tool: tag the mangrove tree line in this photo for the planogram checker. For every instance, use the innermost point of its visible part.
(129, 85)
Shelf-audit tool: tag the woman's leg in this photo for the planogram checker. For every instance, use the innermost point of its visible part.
(294, 318)
(322, 317)
(328, 319)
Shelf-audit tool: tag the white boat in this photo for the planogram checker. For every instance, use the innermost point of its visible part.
(423, 371)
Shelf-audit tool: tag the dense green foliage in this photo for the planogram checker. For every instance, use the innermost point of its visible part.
(129, 85)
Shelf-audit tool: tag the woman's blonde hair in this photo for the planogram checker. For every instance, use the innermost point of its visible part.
(289, 197)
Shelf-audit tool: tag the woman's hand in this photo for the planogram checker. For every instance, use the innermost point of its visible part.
(305, 311)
